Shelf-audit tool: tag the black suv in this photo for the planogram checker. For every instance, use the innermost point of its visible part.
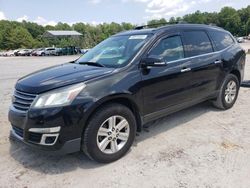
(97, 103)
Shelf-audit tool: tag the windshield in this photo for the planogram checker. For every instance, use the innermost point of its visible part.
(115, 51)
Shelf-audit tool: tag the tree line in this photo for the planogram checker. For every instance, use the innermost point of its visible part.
(14, 35)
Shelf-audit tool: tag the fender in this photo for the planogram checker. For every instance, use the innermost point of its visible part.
(122, 98)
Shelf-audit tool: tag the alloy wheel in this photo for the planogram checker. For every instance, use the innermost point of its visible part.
(230, 92)
(113, 134)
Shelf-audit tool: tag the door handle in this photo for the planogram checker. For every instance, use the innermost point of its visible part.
(185, 69)
(218, 62)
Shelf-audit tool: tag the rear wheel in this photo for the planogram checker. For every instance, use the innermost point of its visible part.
(109, 133)
(228, 93)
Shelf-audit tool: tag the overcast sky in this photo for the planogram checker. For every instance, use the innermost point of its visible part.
(97, 11)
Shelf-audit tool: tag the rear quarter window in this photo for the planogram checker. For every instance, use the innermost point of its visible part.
(196, 43)
(221, 40)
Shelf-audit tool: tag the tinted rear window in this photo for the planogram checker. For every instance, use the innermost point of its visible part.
(196, 43)
(221, 40)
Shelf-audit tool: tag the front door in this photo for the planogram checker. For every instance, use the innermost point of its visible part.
(165, 87)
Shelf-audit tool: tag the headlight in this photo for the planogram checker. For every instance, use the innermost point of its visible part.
(59, 97)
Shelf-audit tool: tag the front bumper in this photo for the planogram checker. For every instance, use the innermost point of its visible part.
(70, 146)
(63, 123)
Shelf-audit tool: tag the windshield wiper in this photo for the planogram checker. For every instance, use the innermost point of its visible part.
(92, 64)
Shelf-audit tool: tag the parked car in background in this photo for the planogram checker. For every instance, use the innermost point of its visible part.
(33, 53)
(58, 51)
(4, 53)
(240, 39)
(16, 52)
(84, 51)
(10, 53)
(69, 50)
(50, 51)
(24, 52)
(37, 52)
(45, 51)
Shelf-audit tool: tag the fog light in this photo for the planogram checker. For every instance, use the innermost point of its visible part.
(45, 130)
(49, 139)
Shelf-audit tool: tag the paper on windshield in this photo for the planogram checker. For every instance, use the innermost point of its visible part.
(142, 37)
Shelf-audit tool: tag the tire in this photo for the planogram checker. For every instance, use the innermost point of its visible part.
(91, 139)
(223, 102)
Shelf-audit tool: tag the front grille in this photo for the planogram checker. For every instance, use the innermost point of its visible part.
(35, 137)
(18, 131)
(22, 101)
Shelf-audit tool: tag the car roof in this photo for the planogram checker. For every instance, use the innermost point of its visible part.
(168, 28)
(137, 32)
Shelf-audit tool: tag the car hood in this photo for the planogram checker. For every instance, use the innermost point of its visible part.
(58, 76)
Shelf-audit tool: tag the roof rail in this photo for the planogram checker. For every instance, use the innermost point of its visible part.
(159, 24)
(150, 25)
(213, 24)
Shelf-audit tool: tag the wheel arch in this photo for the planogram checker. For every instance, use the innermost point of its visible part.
(123, 99)
(237, 74)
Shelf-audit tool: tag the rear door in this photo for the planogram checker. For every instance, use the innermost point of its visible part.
(205, 63)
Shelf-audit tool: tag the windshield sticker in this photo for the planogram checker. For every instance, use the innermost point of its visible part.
(138, 37)
(121, 61)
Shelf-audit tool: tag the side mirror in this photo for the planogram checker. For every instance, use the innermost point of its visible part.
(153, 62)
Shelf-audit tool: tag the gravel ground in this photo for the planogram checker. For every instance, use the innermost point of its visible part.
(196, 147)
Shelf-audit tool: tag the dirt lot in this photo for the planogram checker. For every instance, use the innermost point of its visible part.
(197, 147)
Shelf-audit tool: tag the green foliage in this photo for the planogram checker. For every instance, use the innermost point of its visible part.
(62, 26)
(19, 37)
(160, 22)
(15, 35)
(229, 18)
(34, 29)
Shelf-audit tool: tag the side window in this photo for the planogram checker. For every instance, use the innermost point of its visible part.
(196, 43)
(169, 49)
(221, 40)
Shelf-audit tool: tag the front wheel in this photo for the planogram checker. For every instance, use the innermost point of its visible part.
(228, 93)
(109, 133)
